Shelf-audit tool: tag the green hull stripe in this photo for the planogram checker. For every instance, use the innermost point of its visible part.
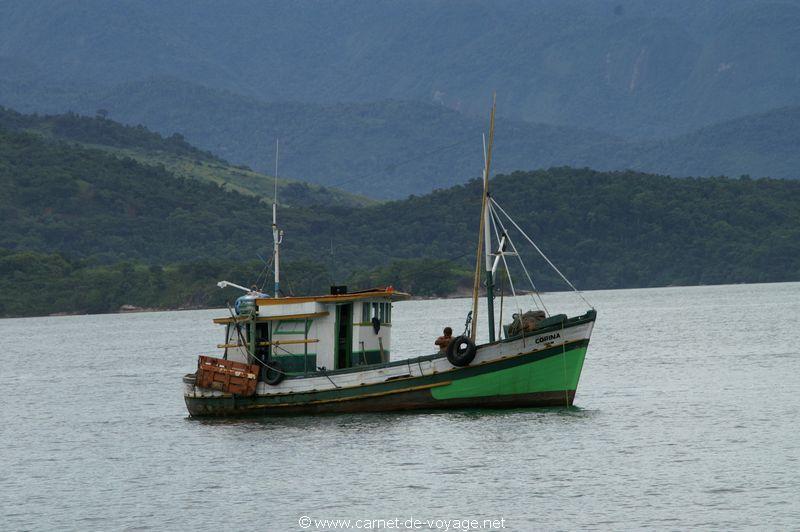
(560, 372)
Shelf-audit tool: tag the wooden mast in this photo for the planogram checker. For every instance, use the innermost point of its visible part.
(483, 232)
(487, 238)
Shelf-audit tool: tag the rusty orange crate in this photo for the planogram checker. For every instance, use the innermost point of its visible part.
(227, 376)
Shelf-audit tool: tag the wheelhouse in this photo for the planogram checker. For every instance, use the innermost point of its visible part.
(305, 334)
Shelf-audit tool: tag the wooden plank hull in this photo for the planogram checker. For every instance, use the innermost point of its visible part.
(410, 400)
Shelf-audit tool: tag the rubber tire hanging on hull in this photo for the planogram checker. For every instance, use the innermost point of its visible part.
(461, 351)
(273, 374)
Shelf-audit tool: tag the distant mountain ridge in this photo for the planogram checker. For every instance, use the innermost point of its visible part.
(635, 68)
(764, 144)
(381, 149)
(390, 149)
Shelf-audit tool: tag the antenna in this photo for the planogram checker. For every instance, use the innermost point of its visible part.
(277, 235)
(275, 201)
(487, 236)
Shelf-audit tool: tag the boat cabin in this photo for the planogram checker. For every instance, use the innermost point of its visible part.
(306, 334)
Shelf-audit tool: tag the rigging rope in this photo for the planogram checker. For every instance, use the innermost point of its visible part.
(244, 344)
(265, 272)
(541, 253)
(510, 281)
(521, 262)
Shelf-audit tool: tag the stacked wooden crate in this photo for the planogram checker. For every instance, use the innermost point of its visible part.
(227, 376)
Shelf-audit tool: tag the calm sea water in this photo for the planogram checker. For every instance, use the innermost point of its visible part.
(686, 417)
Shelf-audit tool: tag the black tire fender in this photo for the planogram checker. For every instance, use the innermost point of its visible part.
(461, 351)
(273, 373)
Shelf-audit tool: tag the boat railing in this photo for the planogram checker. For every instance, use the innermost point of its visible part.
(276, 343)
(589, 316)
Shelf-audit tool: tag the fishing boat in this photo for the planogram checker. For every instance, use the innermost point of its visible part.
(334, 353)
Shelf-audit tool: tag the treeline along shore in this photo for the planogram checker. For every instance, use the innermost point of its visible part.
(86, 230)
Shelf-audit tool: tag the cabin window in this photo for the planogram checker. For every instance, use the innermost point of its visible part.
(382, 311)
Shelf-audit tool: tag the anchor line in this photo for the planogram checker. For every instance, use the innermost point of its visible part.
(564, 364)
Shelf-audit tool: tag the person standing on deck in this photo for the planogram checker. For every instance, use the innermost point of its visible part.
(443, 341)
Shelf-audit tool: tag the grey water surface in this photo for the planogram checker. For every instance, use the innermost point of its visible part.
(686, 417)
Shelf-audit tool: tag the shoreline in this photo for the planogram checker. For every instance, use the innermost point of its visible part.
(132, 309)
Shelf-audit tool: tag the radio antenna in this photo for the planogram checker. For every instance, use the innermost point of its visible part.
(277, 235)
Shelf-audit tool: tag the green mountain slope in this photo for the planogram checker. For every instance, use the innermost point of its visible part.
(393, 148)
(72, 216)
(636, 68)
(173, 153)
(386, 149)
(764, 144)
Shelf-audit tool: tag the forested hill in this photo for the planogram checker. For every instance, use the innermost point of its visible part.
(99, 131)
(173, 153)
(111, 231)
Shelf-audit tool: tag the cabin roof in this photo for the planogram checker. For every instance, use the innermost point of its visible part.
(263, 319)
(387, 293)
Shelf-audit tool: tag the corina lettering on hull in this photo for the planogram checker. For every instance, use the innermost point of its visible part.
(548, 338)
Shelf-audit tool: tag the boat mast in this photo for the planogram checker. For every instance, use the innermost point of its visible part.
(482, 232)
(277, 235)
(487, 238)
